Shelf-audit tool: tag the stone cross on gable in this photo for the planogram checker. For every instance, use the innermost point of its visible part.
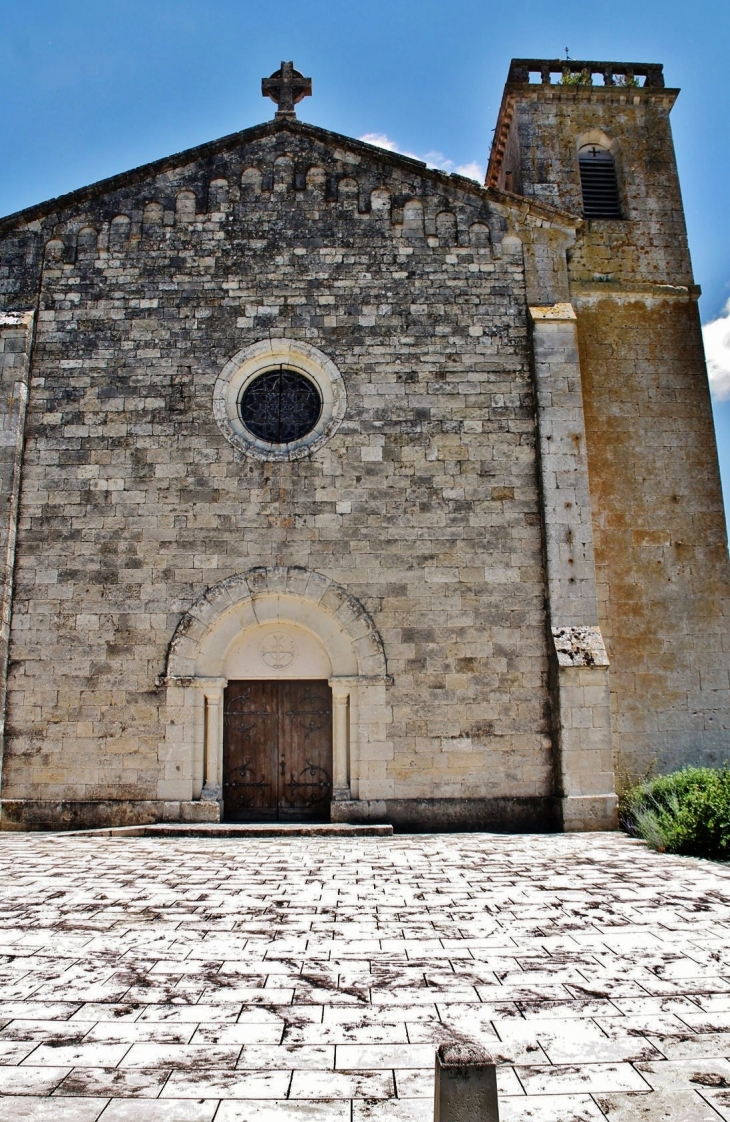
(286, 87)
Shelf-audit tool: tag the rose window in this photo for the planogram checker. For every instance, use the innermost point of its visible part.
(280, 406)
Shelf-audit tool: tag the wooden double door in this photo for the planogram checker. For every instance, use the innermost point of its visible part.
(277, 751)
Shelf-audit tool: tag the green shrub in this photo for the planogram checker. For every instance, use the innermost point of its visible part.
(686, 812)
(576, 77)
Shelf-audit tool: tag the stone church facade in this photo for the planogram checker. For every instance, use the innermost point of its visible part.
(335, 486)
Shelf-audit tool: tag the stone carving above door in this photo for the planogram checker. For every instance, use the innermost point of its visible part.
(278, 650)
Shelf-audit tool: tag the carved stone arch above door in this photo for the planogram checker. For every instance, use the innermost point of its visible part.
(205, 633)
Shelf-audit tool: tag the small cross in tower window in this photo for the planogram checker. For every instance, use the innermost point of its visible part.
(286, 87)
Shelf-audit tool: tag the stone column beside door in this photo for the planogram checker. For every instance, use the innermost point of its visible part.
(341, 690)
(213, 745)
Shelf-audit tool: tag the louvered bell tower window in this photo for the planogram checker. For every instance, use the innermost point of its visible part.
(598, 182)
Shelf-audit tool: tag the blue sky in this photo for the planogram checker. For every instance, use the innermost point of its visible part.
(92, 87)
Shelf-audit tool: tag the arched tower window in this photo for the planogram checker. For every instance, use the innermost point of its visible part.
(598, 182)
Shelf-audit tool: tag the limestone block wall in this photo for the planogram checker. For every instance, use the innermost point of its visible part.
(16, 341)
(424, 505)
(659, 530)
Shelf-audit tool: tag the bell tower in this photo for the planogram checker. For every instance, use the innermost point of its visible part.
(593, 140)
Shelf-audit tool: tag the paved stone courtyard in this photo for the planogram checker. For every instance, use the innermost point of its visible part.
(309, 980)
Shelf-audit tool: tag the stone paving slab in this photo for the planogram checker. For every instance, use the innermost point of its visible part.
(234, 830)
(292, 979)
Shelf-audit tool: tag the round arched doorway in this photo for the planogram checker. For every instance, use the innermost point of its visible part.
(273, 681)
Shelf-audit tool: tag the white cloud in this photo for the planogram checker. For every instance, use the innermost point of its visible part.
(716, 334)
(472, 171)
(380, 140)
(437, 160)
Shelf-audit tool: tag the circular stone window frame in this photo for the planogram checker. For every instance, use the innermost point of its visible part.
(259, 358)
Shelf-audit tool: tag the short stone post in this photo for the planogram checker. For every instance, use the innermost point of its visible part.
(466, 1085)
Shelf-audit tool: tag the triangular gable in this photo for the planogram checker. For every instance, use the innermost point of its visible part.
(233, 141)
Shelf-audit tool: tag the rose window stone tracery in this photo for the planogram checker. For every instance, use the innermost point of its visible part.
(280, 406)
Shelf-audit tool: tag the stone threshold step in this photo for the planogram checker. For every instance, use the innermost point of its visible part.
(235, 830)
